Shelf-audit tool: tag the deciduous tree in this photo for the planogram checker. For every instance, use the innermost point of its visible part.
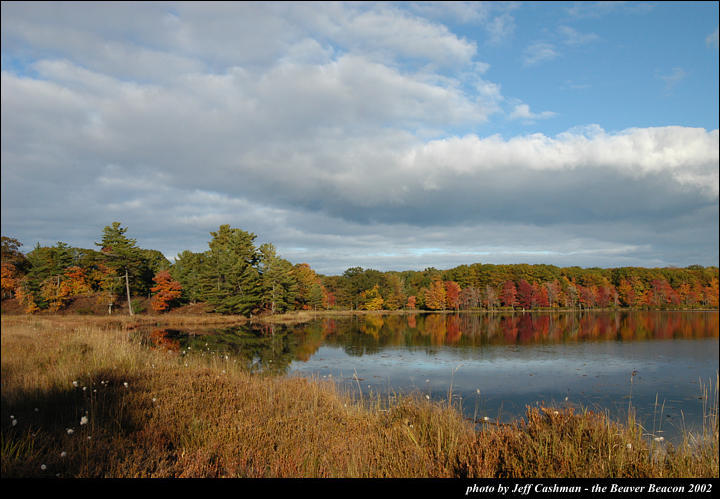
(167, 290)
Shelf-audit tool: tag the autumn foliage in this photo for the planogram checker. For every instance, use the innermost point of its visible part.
(234, 276)
(8, 279)
(166, 291)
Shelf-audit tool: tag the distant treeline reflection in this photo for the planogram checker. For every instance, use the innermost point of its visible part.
(274, 347)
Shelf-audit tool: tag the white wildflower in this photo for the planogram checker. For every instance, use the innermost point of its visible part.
(43, 467)
(14, 422)
(485, 418)
(83, 420)
(125, 384)
(84, 388)
(63, 454)
(659, 439)
(555, 413)
(629, 446)
(427, 397)
(70, 431)
(75, 383)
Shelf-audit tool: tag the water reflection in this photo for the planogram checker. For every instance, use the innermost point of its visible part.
(276, 346)
(496, 363)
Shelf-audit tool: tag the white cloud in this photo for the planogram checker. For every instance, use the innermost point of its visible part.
(712, 39)
(574, 37)
(539, 52)
(522, 111)
(671, 80)
(495, 18)
(311, 128)
(600, 9)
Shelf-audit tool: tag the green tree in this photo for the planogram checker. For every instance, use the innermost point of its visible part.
(121, 255)
(279, 285)
(187, 271)
(229, 279)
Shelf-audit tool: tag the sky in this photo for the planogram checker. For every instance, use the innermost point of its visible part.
(391, 136)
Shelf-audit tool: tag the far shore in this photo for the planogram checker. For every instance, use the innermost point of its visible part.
(124, 320)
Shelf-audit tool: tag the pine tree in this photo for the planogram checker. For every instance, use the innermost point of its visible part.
(279, 286)
(228, 278)
(121, 255)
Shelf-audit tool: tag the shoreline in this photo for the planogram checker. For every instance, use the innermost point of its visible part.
(298, 316)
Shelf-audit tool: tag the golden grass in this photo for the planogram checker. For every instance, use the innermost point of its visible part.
(193, 416)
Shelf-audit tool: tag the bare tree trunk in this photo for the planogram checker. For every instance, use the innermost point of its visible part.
(127, 288)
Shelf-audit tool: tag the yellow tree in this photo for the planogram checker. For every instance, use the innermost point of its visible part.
(77, 280)
(435, 296)
(8, 279)
(25, 297)
(308, 283)
(56, 292)
(109, 284)
(371, 299)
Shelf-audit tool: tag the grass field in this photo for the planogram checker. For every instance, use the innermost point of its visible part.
(80, 398)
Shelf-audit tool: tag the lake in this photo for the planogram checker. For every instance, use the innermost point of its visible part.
(493, 365)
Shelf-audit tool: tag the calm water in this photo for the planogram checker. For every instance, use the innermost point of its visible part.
(495, 364)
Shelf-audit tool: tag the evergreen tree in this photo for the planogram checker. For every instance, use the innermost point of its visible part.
(122, 255)
(229, 279)
(279, 285)
(186, 270)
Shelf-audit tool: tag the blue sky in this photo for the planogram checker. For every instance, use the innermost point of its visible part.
(382, 135)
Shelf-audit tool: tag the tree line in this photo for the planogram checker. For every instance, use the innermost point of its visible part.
(234, 276)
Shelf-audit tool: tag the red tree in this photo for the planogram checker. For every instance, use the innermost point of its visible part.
(508, 294)
(411, 302)
(540, 295)
(524, 294)
(452, 295)
(167, 289)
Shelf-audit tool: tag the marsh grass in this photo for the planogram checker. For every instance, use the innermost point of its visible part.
(157, 413)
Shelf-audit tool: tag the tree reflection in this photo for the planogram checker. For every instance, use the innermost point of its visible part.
(274, 348)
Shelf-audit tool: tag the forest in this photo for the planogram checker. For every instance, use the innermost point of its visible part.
(234, 276)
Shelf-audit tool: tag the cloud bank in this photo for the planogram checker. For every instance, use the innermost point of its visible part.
(334, 134)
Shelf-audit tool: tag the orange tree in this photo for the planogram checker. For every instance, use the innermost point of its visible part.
(166, 291)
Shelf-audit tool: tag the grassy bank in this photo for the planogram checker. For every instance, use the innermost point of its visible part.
(137, 412)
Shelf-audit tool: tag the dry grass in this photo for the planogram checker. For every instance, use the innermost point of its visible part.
(196, 416)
